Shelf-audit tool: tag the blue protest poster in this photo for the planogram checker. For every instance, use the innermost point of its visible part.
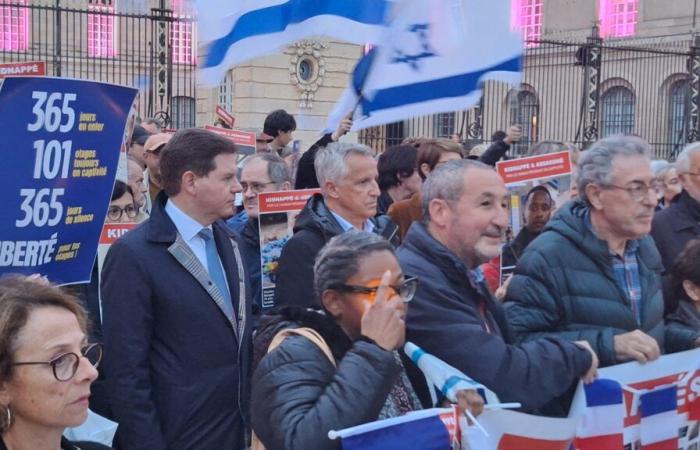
(59, 149)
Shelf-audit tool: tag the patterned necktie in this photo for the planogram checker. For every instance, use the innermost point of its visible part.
(215, 271)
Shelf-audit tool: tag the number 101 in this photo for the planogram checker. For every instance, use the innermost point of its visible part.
(52, 158)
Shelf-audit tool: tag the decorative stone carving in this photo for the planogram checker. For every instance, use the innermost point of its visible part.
(307, 67)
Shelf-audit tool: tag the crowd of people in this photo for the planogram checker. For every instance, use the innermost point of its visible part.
(395, 247)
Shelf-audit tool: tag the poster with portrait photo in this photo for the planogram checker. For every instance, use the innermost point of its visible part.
(278, 212)
(531, 182)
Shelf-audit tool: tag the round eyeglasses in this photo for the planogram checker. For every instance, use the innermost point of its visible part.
(115, 212)
(66, 365)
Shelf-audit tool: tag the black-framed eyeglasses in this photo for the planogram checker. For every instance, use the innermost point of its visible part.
(255, 188)
(406, 289)
(115, 212)
(66, 365)
(638, 191)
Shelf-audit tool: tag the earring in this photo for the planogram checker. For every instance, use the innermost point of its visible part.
(8, 417)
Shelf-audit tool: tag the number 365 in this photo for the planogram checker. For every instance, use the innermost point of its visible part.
(49, 115)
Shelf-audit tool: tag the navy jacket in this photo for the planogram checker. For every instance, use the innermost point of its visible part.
(564, 286)
(177, 367)
(674, 226)
(461, 324)
(314, 227)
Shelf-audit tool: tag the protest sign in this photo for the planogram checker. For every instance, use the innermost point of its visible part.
(110, 233)
(245, 140)
(225, 116)
(23, 69)
(277, 214)
(551, 171)
(679, 369)
(60, 147)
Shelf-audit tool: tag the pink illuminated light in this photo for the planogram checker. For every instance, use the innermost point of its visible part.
(101, 31)
(183, 34)
(526, 15)
(618, 18)
(14, 26)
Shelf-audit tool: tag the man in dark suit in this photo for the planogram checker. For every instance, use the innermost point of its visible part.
(176, 309)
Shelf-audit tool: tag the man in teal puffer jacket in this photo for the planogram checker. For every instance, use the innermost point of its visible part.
(594, 273)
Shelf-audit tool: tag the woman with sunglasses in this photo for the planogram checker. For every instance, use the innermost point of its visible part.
(46, 365)
(300, 392)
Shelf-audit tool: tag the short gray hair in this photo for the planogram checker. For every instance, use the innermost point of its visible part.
(330, 162)
(683, 160)
(446, 182)
(340, 258)
(596, 163)
(659, 167)
(277, 170)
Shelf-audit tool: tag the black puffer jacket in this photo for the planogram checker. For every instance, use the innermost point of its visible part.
(564, 285)
(314, 228)
(513, 250)
(298, 395)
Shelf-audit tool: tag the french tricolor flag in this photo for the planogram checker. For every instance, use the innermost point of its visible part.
(601, 426)
(660, 419)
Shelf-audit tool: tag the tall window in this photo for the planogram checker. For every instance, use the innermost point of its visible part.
(183, 33)
(444, 125)
(617, 111)
(525, 111)
(618, 18)
(101, 29)
(679, 120)
(14, 26)
(226, 91)
(182, 110)
(526, 15)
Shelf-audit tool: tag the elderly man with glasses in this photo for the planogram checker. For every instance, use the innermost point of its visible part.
(594, 274)
(678, 223)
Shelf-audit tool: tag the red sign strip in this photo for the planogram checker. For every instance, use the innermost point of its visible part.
(23, 69)
(237, 136)
(534, 167)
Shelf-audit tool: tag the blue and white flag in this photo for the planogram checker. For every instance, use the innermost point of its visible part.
(433, 58)
(423, 430)
(233, 31)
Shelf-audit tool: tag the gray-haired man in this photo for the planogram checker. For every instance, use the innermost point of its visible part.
(594, 274)
(347, 174)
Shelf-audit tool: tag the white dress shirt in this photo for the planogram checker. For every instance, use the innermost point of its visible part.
(189, 230)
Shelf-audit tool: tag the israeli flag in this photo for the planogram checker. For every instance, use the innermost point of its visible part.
(233, 31)
(433, 58)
